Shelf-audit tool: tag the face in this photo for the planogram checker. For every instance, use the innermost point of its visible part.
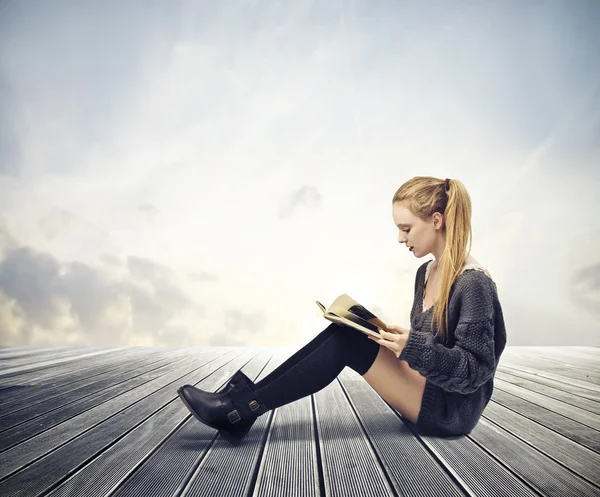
(419, 234)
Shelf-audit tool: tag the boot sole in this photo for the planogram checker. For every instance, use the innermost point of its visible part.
(230, 437)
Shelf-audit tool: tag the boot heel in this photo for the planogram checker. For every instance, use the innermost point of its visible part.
(232, 439)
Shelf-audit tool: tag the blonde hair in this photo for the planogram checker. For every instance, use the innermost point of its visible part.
(426, 195)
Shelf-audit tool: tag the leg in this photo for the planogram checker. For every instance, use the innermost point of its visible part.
(297, 357)
(397, 383)
(308, 372)
(234, 409)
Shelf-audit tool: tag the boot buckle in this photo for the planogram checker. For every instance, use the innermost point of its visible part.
(233, 416)
(254, 405)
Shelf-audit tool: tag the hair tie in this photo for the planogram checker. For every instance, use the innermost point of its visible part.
(447, 184)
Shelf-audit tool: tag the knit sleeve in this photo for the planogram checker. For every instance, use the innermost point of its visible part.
(471, 361)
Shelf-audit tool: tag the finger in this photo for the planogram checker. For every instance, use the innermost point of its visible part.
(385, 342)
(396, 329)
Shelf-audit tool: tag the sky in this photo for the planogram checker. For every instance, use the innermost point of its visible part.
(194, 173)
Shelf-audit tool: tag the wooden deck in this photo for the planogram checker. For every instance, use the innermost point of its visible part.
(96, 422)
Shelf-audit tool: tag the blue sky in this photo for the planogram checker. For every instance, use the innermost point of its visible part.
(199, 173)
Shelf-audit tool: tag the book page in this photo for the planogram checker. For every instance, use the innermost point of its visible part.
(347, 307)
(348, 312)
(334, 318)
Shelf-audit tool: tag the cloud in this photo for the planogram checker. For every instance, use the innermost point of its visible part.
(10, 155)
(56, 222)
(7, 242)
(211, 153)
(110, 260)
(45, 301)
(203, 276)
(237, 320)
(149, 210)
(223, 339)
(305, 196)
(584, 288)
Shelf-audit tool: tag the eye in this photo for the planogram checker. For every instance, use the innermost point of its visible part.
(406, 231)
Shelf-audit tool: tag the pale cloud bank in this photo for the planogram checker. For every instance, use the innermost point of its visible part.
(200, 174)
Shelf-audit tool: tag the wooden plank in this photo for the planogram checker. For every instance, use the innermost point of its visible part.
(350, 466)
(17, 352)
(558, 379)
(579, 459)
(581, 392)
(567, 427)
(53, 362)
(549, 366)
(147, 443)
(54, 353)
(550, 391)
(41, 376)
(214, 475)
(556, 406)
(25, 397)
(38, 462)
(536, 469)
(291, 440)
(158, 456)
(557, 358)
(23, 425)
(454, 466)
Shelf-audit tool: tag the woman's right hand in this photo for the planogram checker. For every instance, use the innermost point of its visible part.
(394, 328)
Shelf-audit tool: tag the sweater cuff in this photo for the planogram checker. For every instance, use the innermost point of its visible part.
(413, 349)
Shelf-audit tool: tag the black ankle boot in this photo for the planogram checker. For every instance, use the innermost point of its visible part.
(232, 410)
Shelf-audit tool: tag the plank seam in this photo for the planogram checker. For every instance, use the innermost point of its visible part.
(502, 463)
(382, 465)
(549, 456)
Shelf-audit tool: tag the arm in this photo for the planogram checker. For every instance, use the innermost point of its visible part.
(471, 362)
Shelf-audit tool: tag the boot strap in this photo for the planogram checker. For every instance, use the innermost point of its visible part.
(233, 416)
(257, 407)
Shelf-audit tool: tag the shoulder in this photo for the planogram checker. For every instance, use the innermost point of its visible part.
(476, 292)
(473, 281)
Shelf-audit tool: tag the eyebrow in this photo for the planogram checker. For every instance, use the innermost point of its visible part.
(403, 224)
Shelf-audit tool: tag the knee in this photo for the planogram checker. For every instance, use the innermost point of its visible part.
(351, 337)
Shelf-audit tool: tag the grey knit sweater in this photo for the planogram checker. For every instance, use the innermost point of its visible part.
(460, 371)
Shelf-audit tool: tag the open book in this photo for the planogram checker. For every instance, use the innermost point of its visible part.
(348, 312)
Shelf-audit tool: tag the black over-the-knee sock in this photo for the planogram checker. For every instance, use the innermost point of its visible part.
(316, 365)
(297, 357)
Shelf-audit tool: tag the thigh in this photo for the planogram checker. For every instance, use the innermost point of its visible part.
(397, 383)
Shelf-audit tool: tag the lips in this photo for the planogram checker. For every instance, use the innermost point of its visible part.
(410, 248)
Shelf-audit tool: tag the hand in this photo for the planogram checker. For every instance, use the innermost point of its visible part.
(394, 339)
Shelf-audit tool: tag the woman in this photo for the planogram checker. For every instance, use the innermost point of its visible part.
(438, 374)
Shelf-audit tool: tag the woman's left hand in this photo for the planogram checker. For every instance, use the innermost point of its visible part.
(395, 341)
